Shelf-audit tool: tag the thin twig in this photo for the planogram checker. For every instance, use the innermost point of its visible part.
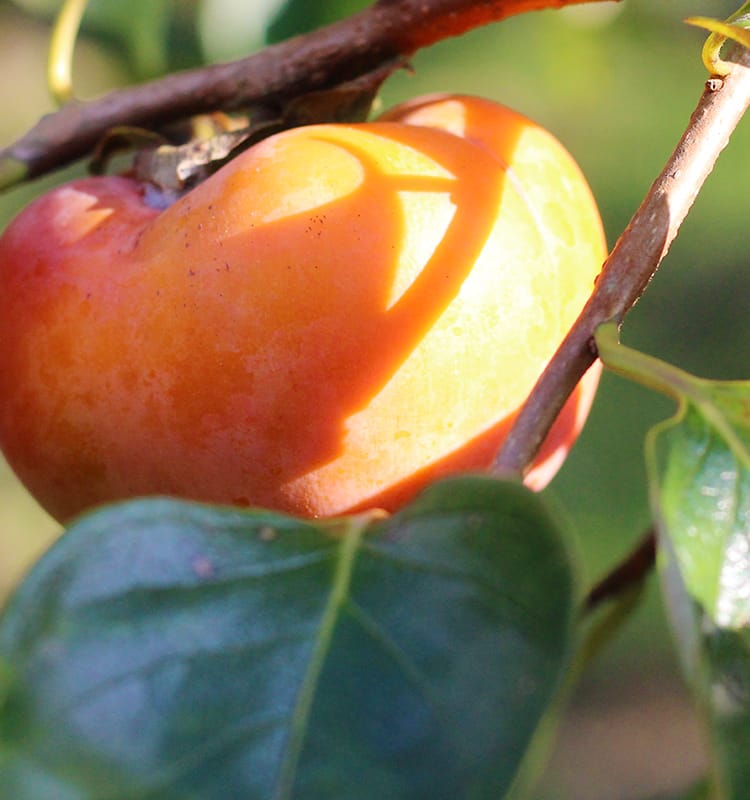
(634, 259)
(630, 572)
(387, 30)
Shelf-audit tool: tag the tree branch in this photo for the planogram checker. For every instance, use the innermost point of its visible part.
(387, 30)
(629, 573)
(634, 259)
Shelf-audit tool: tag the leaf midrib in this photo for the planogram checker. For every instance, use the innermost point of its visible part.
(339, 593)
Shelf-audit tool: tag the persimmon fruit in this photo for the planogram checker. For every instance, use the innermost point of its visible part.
(337, 317)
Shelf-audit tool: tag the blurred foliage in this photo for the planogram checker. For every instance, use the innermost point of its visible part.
(150, 36)
(298, 16)
(617, 84)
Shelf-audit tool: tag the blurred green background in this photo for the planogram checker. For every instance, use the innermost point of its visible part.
(616, 82)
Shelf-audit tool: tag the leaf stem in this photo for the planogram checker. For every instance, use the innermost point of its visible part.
(644, 369)
(721, 32)
(670, 380)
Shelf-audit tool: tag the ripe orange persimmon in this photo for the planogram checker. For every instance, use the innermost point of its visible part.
(335, 318)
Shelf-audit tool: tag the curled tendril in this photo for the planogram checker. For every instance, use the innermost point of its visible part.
(735, 29)
(62, 45)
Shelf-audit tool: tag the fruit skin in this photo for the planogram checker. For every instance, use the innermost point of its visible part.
(337, 317)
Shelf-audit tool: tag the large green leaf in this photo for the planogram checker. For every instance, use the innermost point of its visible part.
(170, 650)
(700, 467)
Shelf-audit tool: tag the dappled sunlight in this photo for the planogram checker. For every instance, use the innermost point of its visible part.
(381, 255)
(339, 310)
(76, 214)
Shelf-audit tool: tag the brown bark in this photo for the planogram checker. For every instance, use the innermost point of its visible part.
(634, 258)
(345, 50)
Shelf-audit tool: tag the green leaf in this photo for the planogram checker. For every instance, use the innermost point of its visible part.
(700, 468)
(171, 650)
(700, 461)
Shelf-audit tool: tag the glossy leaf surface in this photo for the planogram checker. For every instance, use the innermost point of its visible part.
(169, 650)
(700, 464)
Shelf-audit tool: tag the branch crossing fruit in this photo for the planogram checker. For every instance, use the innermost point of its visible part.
(331, 321)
